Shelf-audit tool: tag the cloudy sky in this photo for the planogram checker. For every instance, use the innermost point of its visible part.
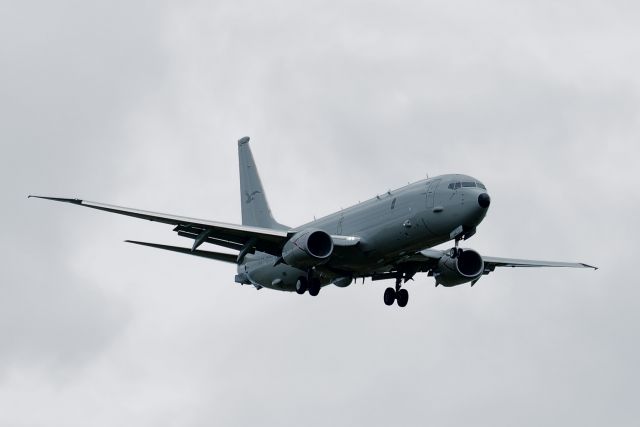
(141, 103)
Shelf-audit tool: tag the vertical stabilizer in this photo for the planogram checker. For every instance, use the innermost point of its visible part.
(255, 208)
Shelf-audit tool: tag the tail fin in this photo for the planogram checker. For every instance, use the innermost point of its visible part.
(255, 208)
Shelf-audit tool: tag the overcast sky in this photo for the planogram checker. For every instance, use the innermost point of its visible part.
(141, 103)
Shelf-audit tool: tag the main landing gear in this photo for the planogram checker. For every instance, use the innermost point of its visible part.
(303, 284)
(398, 294)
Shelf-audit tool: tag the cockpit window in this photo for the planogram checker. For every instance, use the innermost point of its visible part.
(465, 184)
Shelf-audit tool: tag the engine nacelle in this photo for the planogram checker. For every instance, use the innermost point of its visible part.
(308, 248)
(465, 267)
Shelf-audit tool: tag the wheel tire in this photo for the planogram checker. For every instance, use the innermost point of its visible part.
(314, 288)
(402, 296)
(301, 285)
(389, 296)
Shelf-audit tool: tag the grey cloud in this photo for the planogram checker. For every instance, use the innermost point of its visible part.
(52, 325)
(69, 73)
(539, 101)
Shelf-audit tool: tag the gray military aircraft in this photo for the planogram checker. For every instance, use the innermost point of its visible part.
(386, 237)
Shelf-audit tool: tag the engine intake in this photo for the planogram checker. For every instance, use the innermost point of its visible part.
(308, 248)
(465, 267)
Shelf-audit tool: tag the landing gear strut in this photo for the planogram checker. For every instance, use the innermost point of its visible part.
(398, 294)
(455, 251)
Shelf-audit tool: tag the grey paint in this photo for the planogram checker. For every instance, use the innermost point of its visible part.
(390, 235)
(255, 208)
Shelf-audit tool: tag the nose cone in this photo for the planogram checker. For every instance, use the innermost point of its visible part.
(484, 200)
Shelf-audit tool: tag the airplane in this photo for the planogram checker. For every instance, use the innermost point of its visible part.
(388, 237)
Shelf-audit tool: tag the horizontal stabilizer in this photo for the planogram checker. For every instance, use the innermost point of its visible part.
(219, 256)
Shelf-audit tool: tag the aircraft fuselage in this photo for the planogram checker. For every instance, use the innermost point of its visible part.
(418, 216)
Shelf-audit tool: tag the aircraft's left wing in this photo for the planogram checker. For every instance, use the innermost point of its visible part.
(514, 262)
(239, 237)
(433, 255)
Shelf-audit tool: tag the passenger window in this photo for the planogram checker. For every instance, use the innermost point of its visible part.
(393, 203)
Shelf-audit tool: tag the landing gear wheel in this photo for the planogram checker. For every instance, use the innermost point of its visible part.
(402, 296)
(389, 296)
(301, 285)
(314, 288)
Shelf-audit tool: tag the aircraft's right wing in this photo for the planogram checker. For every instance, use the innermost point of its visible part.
(243, 238)
(233, 236)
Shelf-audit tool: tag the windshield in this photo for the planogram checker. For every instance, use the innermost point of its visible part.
(465, 184)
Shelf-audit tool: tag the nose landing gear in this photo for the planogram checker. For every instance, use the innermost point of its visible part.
(456, 251)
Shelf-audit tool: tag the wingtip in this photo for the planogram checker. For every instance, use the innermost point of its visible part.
(57, 199)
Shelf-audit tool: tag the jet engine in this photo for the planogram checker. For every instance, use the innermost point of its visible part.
(307, 248)
(465, 267)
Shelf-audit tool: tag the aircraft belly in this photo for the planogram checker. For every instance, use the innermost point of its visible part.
(383, 245)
